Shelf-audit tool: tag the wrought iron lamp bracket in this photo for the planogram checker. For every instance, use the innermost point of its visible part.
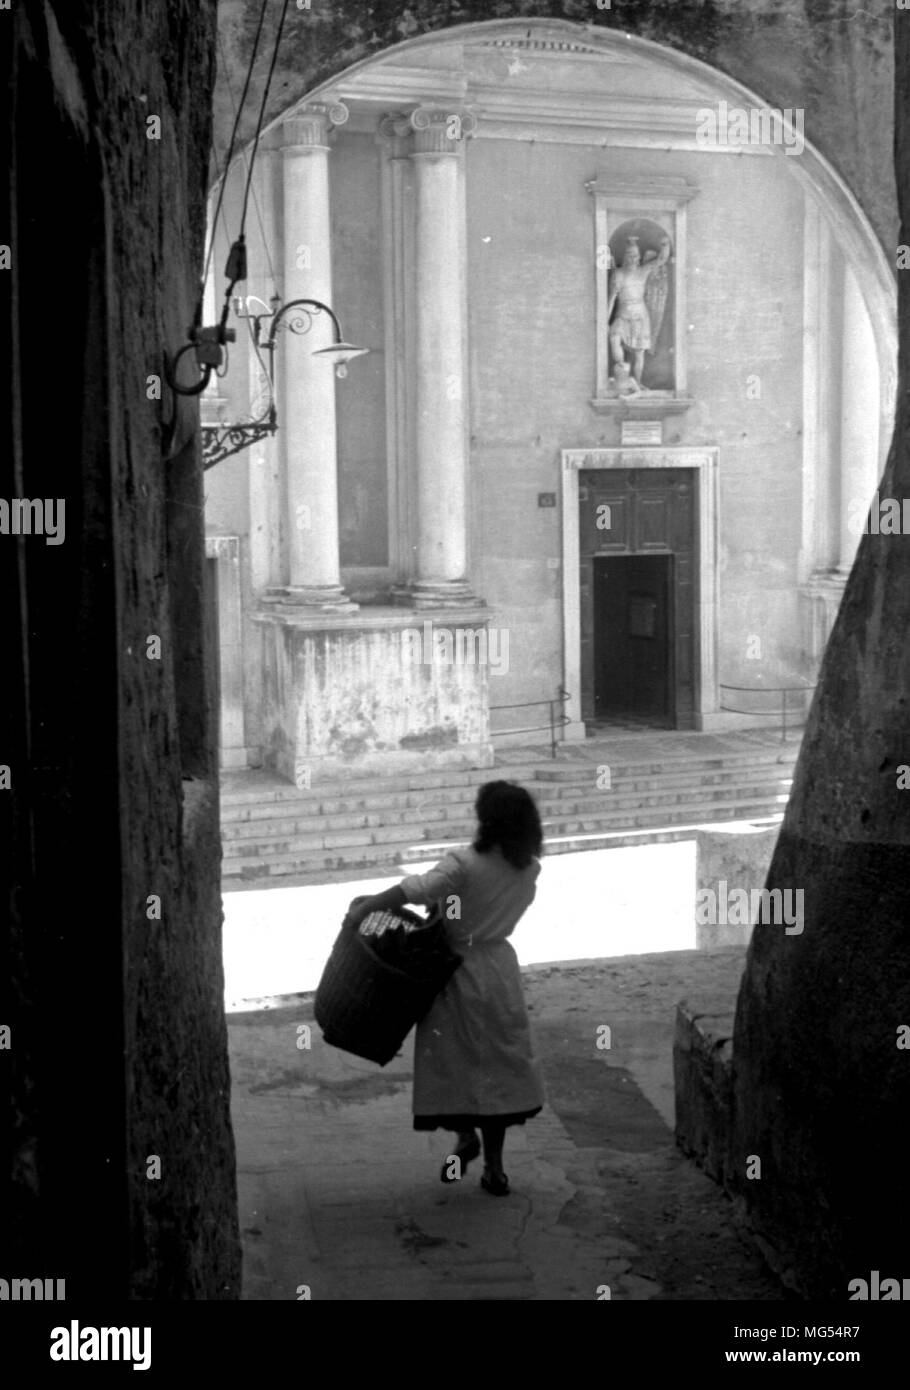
(220, 441)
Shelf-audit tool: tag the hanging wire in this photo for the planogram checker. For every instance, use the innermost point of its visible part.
(230, 150)
(265, 96)
(245, 157)
(235, 269)
(251, 164)
(236, 262)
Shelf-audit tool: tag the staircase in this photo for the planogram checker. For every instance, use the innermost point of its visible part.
(271, 830)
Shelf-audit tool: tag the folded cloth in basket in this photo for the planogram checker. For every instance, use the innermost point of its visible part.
(411, 944)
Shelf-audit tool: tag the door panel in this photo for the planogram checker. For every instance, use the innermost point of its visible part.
(632, 637)
(653, 521)
(653, 513)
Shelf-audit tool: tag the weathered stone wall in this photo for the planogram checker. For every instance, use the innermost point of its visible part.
(392, 694)
(822, 1086)
(118, 1036)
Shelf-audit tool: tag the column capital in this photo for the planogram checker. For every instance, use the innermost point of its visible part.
(394, 130)
(309, 126)
(433, 130)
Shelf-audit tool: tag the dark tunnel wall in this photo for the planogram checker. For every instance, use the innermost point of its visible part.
(118, 1050)
(822, 1035)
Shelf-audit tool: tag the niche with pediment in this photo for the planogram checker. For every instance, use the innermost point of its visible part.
(640, 244)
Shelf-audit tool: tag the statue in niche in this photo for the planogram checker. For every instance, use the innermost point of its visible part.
(638, 291)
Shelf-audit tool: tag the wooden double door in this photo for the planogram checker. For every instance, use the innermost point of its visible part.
(638, 581)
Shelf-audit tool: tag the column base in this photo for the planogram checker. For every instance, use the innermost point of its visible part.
(329, 597)
(443, 593)
(821, 598)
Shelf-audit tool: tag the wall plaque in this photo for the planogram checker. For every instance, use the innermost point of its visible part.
(641, 432)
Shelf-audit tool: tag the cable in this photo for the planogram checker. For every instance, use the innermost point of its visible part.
(245, 157)
(265, 96)
(236, 262)
(230, 150)
(209, 342)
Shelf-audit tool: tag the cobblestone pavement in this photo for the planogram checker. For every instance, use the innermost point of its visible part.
(339, 1194)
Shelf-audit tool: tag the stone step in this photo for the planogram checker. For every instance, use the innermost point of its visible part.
(637, 781)
(620, 799)
(323, 802)
(382, 840)
(317, 865)
(444, 823)
(258, 792)
(772, 755)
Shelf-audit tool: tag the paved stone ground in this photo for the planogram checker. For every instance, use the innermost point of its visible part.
(340, 1194)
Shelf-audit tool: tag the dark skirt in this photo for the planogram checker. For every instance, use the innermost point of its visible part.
(460, 1124)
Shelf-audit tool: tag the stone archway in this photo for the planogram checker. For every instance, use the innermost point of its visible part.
(782, 51)
(835, 238)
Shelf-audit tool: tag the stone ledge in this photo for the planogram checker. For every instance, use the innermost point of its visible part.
(646, 406)
(366, 619)
(703, 1082)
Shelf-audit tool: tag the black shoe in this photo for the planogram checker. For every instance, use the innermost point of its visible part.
(465, 1156)
(495, 1183)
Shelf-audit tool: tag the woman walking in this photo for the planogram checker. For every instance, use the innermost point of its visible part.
(474, 1065)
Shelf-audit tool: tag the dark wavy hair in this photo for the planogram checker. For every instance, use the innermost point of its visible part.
(507, 816)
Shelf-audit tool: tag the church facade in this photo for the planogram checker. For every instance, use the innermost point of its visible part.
(628, 391)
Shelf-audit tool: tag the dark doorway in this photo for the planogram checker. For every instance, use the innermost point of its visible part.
(634, 639)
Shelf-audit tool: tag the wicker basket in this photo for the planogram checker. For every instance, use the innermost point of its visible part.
(367, 1006)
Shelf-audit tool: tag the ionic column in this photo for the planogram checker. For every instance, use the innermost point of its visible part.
(307, 405)
(441, 420)
(859, 451)
(396, 193)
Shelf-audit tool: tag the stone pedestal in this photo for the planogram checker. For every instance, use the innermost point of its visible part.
(703, 1082)
(384, 692)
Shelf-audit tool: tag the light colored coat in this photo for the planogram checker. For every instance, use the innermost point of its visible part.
(473, 1053)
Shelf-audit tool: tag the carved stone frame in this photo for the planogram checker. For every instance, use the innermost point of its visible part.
(615, 201)
(703, 461)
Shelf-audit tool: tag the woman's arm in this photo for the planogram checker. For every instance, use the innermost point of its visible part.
(391, 899)
(423, 889)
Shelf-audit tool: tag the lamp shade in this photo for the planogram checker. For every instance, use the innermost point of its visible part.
(339, 354)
